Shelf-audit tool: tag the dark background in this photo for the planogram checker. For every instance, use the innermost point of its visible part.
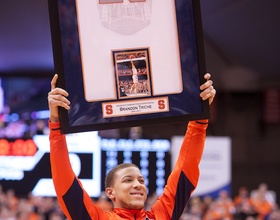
(241, 40)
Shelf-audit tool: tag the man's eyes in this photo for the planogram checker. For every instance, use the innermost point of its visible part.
(142, 181)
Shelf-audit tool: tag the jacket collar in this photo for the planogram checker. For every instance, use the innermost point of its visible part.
(134, 214)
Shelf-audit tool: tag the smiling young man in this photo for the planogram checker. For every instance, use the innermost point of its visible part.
(124, 184)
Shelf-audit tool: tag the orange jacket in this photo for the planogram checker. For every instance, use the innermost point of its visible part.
(77, 205)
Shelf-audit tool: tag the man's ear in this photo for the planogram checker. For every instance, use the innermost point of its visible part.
(110, 193)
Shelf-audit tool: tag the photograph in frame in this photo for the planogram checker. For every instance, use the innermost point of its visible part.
(132, 73)
(128, 63)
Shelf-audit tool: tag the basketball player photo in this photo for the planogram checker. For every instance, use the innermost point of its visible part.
(132, 73)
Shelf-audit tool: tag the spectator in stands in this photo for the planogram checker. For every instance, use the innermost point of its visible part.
(41, 127)
(244, 205)
(262, 206)
(206, 202)
(263, 191)
(195, 209)
(221, 208)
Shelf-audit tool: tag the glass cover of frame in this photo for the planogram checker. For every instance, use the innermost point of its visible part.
(128, 63)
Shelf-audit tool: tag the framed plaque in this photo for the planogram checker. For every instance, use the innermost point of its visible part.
(128, 63)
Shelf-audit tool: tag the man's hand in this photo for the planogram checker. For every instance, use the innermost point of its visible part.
(208, 91)
(57, 97)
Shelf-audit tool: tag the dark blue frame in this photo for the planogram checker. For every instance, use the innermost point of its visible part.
(85, 116)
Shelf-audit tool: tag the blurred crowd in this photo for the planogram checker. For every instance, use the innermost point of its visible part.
(20, 128)
(259, 204)
(30, 207)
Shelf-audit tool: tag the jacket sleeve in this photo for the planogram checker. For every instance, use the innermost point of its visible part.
(74, 201)
(184, 178)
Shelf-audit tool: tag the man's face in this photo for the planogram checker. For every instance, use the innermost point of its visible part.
(129, 190)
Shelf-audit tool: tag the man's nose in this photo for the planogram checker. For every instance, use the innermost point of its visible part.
(136, 184)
